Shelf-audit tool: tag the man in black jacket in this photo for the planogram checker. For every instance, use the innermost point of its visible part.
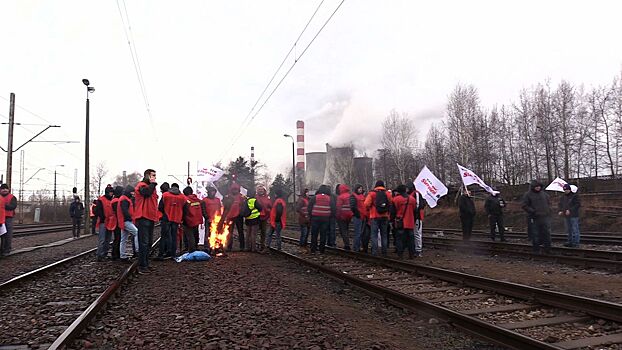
(536, 204)
(467, 213)
(569, 205)
(76, 209)
(494, 209)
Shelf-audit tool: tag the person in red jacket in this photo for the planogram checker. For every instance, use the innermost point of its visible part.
(145, 214)
(321, 209)
(10, 203)
(172, 207)
(277, 219)
(116, 240)
(405, 205)
(378, 203)
(265, 203)
(303, 216)
(192, 218)
(344, 214)
(359, 212)
(106, 222)
(2, 219)
(231, 203)
(213, 208)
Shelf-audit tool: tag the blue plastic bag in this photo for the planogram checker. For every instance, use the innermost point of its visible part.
(198, 255)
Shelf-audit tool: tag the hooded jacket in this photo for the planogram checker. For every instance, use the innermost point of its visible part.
(536, 204)
(344, 212)
(127, 206)
(301, 208)
(494, 205)
(357, 203)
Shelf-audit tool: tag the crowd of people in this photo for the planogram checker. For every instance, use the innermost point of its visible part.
(536, 204)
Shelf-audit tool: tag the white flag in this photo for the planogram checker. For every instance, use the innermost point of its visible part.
(430, 187)
(209, 173)
(469, 177)
(558, 185)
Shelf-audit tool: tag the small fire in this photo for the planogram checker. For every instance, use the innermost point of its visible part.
(218, 237)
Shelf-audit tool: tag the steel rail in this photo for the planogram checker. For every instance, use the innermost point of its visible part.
(34, 231)
(80, 323)
(467, 323)
(28, 275)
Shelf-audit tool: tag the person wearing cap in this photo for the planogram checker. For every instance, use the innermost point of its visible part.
(569, 204)
(106, 222)
(76, 209)
(10, 203)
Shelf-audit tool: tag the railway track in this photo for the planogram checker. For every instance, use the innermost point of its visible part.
(600, 238)
(586, 258)
(609, 260)
(509, 314)
(49, 306)
(34, 230)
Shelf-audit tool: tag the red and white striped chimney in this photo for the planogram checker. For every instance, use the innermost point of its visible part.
(300, 144)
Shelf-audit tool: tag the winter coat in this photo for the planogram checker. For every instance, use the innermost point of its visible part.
(405, 209)
(494, 206)
(570, 202)
(536, 204)
(76, 209)
(370, 203)
(467, 206)
(344, 213)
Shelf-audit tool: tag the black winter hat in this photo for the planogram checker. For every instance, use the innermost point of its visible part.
(109, 189)
(379, 183)
(175, 184)
(188, 191)
(567, 187)
(164, 186)
(4, 187)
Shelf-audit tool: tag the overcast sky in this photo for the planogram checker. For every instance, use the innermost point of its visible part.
(204, 64)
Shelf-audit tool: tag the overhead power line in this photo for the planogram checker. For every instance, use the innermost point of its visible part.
(246, 122)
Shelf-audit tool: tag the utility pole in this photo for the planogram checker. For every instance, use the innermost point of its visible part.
(187, 177)
(87, 200)
(9, 157)
(21, 186)
(54, 194)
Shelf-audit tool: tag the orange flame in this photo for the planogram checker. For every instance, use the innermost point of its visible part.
(218, 239)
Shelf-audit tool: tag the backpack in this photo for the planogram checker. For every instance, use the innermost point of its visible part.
(244, 209)
(382, 202)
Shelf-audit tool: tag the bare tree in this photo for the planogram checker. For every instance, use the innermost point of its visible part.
(127, 179)
(398, 139)
(96, 180)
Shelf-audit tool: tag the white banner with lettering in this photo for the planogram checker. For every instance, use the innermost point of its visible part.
(558, 185)
(468, 178)
(209, 173)
(429, 186)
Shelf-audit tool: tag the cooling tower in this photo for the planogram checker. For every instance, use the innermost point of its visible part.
(316, 165)
(339, 165)
(363, 172)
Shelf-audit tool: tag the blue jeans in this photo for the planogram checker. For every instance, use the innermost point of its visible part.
(572, 229)
(129, 229)
(358, 229)
(379, 228)
(276, 230)
(103, 241)
(321, 227)
(304, 234)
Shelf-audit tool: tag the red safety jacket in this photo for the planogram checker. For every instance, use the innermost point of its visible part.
(344, 213)
(2, 211)
(193, 214)
(360, 205)
(266, 206)
(110, 220)
(174, 206)
(9, 213)
(273, 213)
(322, 205)
(145, 207)
(120, 218)
(303, 205)
(405, 211)
(212, 207)
(234, 211)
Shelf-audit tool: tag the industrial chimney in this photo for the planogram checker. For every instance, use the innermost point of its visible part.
(300, 144)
